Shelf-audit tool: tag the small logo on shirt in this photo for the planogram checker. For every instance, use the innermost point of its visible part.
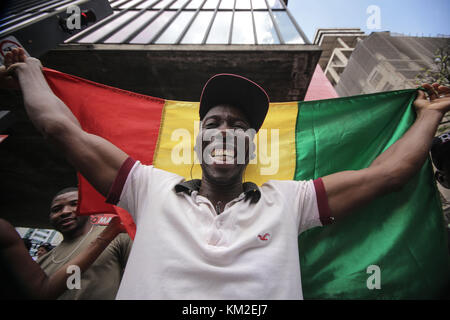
(264, 237)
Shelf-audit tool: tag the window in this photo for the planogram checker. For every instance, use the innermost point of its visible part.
(220, 29)
(146, 4)
(197, 30)
(53, 5)
(117, 3)
(387, 87)
(375, 78)
(126, 31)
(211, 4)
(178, 4)
(194, 4)
(226, 4)
(259, 4)
(12, 26)
(100, 33)
(243, 28)
(275, 4)
(146, 35)
(39, 236)
(162, 4)
(243, 4)
(173, 32)
(130, 4)
(265, 31)
(288, 31)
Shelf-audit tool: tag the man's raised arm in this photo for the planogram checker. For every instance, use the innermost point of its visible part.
(27, 276)
(349, 190)
(95, 158)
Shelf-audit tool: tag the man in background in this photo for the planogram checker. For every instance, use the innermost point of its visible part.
(101, 281)
(43, 249)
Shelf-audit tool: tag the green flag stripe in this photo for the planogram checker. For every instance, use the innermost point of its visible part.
(402, 233)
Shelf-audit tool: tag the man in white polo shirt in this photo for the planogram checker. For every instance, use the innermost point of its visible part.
(216, 237)
(220, 238)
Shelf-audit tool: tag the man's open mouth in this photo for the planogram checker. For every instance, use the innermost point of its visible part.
(223, 156)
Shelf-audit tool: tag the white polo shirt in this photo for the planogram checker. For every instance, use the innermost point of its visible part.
(184, 250)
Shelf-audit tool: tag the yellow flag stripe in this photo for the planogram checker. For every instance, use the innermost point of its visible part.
(275, 142)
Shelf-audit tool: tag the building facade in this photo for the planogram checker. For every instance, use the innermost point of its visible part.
(337, 45)
(385, 61)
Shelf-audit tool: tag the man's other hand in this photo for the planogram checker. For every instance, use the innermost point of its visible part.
(438, 99)
(14, 59)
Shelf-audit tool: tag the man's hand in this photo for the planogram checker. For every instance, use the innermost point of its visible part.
(8, 79)
(94, 157)
(114, 228)
(16, 55)
(15, 60)
(438, 99)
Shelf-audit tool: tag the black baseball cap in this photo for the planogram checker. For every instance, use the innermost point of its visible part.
(238, 91)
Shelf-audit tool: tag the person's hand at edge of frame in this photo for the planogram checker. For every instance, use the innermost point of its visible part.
(14, 60)
(114, 228)
(436, 97)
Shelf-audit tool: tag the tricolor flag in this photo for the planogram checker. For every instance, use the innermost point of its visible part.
(394, 248)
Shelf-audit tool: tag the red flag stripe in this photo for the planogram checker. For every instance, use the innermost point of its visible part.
(129, 120)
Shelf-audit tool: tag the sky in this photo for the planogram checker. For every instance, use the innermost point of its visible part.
(410, 17)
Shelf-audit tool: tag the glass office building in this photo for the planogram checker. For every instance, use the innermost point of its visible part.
(157, 45)
(254, 22)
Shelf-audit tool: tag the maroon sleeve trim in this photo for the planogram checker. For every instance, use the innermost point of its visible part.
(322, 202)
(117, 186)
